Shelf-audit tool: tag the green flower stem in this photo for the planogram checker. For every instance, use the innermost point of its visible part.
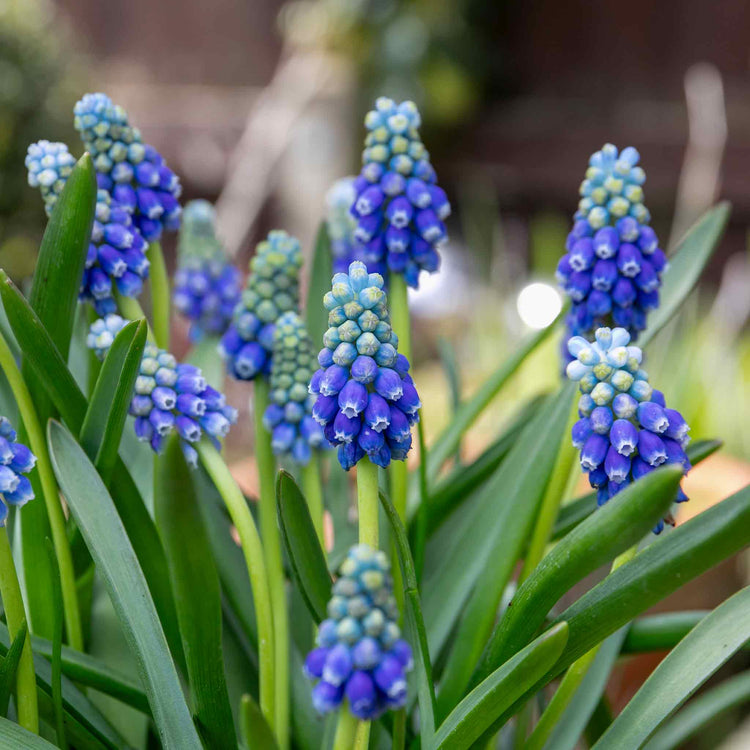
(362, 737)
(10, 590)
(256, 568)
(346, 729)
(131, 309)
(38, 446)
(570, 682)
(564, 474)
(367, 501)
(313, 490)
(160, 298)
(399, 307)
(269, 531)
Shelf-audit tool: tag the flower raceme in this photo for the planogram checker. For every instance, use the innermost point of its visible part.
(168, 395)
(366, 399)
(625, 429)
(398, 206)
(341, 225)
(207, 288)
(360, 654)
(612, 266)
(116, 258)
(16, 460)
(294, 433)
(132, 171)
(272, 289)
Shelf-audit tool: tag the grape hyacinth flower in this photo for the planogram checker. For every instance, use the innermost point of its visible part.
(613, 264)
(16, 460)
(272, 289)
(625, 429)
(207, 287)
(399, 207)
(133, 172)
(116, 257)
(366, 399)
(168, 395)
(294, 433)
(360, 654)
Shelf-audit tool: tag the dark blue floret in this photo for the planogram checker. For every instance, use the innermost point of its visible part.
(133, 172)
(16, 460)
(168, 396)
(360, 654)
(366, 400)
(625, 430)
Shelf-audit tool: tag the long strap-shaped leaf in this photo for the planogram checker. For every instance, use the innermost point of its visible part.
(192, 570)
(682, 672)
(113, 554)
(481, 707)
(14, 736)
(320, 282)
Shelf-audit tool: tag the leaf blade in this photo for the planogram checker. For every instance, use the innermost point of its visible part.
(316, 316)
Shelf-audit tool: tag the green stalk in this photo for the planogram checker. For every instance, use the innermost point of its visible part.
(131, 309)
(38, 446)
(570, 682)
(313, 490)
(160, 299)
(256, 568)
(10, 589)
(399, 306)
(346, 730)
(269, 531)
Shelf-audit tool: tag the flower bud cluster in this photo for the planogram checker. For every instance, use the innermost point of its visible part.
(16, 460)
(360, 654)
(294, 433)
(272, 289)
(133, 172)
(366, 399)
(116, 258)
(169, 396)
(625, 429)
(399, 208)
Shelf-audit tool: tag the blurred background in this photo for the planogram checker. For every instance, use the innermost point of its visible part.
(258, 106)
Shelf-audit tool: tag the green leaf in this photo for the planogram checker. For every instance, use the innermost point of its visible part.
(108, 408)
(449, 439)
(14, 736)
(303, 548)
(661, 632)
(9, 667)
(473, 557)
(703, 710)
(615, 527)
(478, 711)
(320, 282)
(116, 561)
(686, 265)
(57, 602)
(253, 725)
(452, 372)
(682, 672)
(192, 569)
(415, 624)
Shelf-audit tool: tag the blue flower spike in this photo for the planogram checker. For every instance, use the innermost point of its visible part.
(272, 289)
(169, 396)
(132, 171)
(207, 288)
(613, 264)
(360, 654)
(116, 259)
(399, 208)
(625, 429)
(16, 460)
(294, 432)
(366, 399)
(341, 225)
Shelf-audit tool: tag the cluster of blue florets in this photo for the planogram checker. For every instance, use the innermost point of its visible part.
(272, 289)
(399, 207)
(207, 288)
(625, 429)
(294, 433)
(613, 263)
(360, 654)
(168, 396)
(15, 461)
(132, 171)
(116, 257)
(366, 399)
